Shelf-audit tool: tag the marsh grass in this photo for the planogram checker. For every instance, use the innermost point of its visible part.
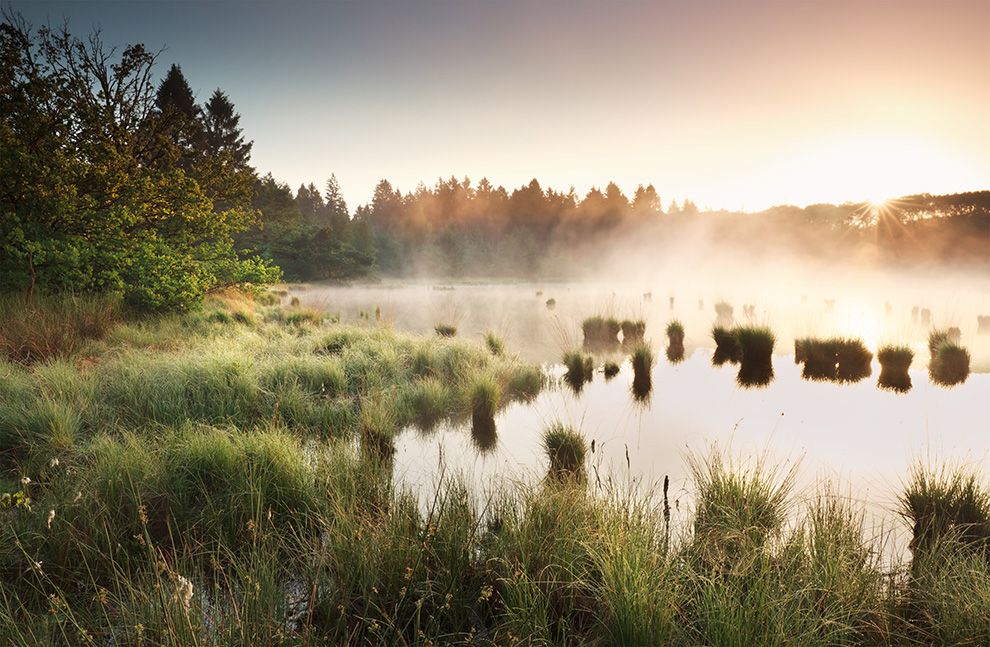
(949, 364)
(642, 360)
(895, 361)
(237, 488)
(580, 368)
(601, 333)
(755, 355)
(727, 347)
(834, 359)
(445, 330)
(723, 314)
(494, 343)
(610, 369)
(943, 504)
(566, 449)
(41, 328)
(632, 331)
(675, 341)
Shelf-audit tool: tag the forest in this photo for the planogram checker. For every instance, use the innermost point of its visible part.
(113, 181)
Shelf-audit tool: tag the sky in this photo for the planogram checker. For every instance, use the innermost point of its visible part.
(736, 105)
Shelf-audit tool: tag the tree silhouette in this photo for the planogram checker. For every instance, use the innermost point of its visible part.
(223, 131)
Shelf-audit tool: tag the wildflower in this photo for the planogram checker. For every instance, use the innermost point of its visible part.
(51, 517)
(143, 515)
(486, 593)
(36, 566)
(25, 480)
(54, 462)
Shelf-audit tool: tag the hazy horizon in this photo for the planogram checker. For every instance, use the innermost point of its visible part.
(732, 105)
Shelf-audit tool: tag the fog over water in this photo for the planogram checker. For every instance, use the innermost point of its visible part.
(861, 438)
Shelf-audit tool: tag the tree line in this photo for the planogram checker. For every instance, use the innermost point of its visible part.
(112, 181)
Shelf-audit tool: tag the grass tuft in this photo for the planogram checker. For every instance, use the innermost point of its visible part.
(566, 449)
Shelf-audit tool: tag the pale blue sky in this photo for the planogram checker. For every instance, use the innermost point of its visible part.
(733, 104)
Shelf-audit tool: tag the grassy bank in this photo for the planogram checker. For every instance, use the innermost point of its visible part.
(226, 479)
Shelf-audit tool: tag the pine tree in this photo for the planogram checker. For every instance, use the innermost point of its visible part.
(337, 214)
(223, 132)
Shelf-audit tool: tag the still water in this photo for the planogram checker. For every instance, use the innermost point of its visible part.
(861, 438)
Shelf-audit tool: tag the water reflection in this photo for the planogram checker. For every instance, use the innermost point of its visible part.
(483, 433)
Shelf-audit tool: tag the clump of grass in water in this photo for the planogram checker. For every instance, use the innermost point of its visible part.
(675, 341)
(737, 509)
(852, 360)
(611, 369)
(495, 344)
(566, 450)
(940, 505)
(601, 333)
(835, 359)
(524, 382)
(727, 347)
(378, 427)
(485, 396)
(723, 314)
(430, 401)
(755, 356)
(894, 364)
(632, 331)
(445, 330)
(551, 303)
(950, 364)
(642, 365)
(580, 369)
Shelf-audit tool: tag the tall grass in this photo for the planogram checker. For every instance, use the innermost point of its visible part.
(237, 488)
(40, 328)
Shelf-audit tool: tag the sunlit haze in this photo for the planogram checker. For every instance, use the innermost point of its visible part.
(731, 104)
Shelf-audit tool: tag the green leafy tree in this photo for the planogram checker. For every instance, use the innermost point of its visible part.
(86, 200)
